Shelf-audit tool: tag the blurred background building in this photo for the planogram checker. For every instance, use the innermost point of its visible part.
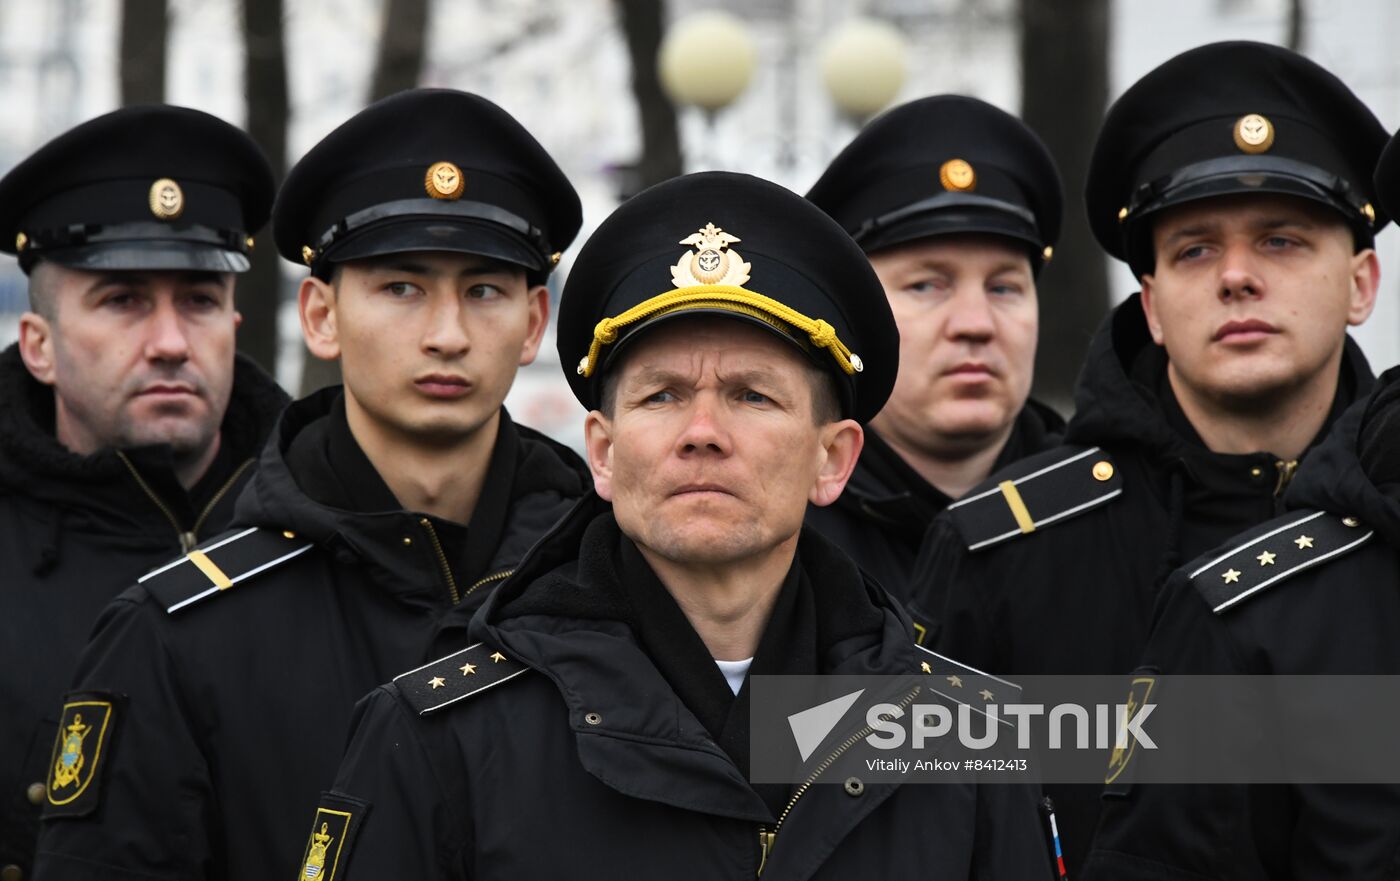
(787, 84)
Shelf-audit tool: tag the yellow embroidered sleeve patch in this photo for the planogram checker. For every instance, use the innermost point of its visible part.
(333, 831)
(80, 749)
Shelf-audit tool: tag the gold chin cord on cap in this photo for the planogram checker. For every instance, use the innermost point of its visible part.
(731, 299)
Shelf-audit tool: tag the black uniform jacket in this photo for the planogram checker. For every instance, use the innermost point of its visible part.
(75, 531)
(1327, 602)
(1135, 495)
(881, 517)
(231, 710)
(619, 752)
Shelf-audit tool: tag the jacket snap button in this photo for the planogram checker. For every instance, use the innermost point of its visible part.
(854, 787)
(593, 719)
(35, 793)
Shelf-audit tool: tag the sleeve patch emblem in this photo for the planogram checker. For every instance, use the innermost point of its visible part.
(333, 829)
(84, 737)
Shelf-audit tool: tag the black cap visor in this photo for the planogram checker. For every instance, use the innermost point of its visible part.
(159, 255)
(950, 214)
(1243, 175)
(402, 235)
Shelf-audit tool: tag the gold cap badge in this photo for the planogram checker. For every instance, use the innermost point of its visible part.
(1048, 253)
(307, 255)
(444, 181)
(166, 199)
(957, 175)
(1368, 212)
(712, 263)
(21, 240)
(1254, 133)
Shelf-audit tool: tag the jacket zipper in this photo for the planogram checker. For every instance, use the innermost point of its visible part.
(191, 538)
(488, 579)
(768, 838)
(442, 559)
(219, 496)
(1286, 470)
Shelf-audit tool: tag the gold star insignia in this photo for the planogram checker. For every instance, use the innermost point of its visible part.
(468, 669)
(955, 681)
(436, 682)
(925, 667)
(497, 657)
(1231, 576)
(1265, 559)
(1303, 541)
(986, 695)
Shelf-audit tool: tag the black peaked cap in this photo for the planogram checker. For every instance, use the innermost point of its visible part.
(1231, 118)
(1387, 177)
(427, 170)
(146, 187)
(733, 245)
(944, 164)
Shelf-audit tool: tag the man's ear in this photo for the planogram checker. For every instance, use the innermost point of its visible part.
(36, 346)
(841, 443)
(597, 443)
(316, 306)
(539, 320)
(1365, 283)
(1149, 308)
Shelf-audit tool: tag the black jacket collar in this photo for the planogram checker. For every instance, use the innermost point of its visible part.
(314, 479)
(1120, 402)
(887, 489)
(33, 463)
(568, 614)
(1338, 480)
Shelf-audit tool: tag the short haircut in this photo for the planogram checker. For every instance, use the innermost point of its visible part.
(43, 290)
(826, 401)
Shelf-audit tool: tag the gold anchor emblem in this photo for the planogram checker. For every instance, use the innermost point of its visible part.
(71, 759)
(957, 175)
(316, 857)
(713, 263)
(444, 181)
(1254, 133)
(166, 199)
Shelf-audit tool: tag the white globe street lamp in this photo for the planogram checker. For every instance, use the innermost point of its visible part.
(863, 64)
(707, 60)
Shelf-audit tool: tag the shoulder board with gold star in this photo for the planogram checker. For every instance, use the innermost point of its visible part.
(961, 684)
(1273, 552)
(219, 564)
(1035, 493)
(456, 677)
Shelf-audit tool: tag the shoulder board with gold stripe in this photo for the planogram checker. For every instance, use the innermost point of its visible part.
(961, 684)
(219, 564)
(1036, 493)
(1273, 552)
(456, 677)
